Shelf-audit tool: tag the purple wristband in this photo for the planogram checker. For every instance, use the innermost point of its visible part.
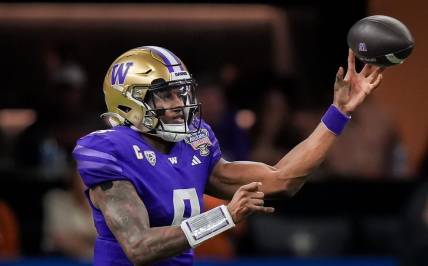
(335, 120)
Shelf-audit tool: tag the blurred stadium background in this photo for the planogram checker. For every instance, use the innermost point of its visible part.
(265, 71)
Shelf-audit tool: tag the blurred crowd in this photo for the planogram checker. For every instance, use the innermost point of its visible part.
(259, 120)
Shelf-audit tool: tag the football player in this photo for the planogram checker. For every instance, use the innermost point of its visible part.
(147, 174)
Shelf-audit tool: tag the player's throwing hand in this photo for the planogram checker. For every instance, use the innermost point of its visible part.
(351, 90)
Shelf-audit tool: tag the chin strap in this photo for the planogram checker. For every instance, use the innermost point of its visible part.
(170, 136)
(167, 136)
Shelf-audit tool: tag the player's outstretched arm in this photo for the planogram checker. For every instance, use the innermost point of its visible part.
(127, 218)
(288, 175)
(349, 92)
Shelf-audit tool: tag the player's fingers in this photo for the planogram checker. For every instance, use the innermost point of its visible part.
(257, 202)
(251, 187)
(373, 76)
(263, 209)
(257, 195)
(376, 83)
(367, 70)
(351, 61)
(339, 74)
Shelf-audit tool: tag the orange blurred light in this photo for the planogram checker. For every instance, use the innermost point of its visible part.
(245, 119)
(14, 121)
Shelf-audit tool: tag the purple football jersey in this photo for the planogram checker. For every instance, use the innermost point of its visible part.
(170, 185)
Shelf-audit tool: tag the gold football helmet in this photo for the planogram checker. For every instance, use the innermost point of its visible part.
(136, 79)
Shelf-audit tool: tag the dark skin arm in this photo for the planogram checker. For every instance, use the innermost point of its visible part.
(128, 219)
(289, 174)
(286, 177)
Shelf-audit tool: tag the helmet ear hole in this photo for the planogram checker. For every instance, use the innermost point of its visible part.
(123, 108)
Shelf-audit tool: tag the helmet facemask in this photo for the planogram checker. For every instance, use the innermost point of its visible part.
(172, 110)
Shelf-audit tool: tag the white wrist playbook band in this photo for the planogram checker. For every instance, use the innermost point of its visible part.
(206, 225)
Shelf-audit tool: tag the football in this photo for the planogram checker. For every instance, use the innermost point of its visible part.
(380, 40)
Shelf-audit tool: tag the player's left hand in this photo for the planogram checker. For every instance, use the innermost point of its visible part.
(351, 90)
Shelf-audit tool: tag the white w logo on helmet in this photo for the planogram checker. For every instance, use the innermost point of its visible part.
(119, 72)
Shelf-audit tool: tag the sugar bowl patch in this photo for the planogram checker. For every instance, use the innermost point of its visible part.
(200, 141)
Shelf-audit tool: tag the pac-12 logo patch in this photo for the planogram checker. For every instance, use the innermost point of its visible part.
(151, 157)
(200, 141)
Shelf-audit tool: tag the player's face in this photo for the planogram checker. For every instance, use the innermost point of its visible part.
(172, 101)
